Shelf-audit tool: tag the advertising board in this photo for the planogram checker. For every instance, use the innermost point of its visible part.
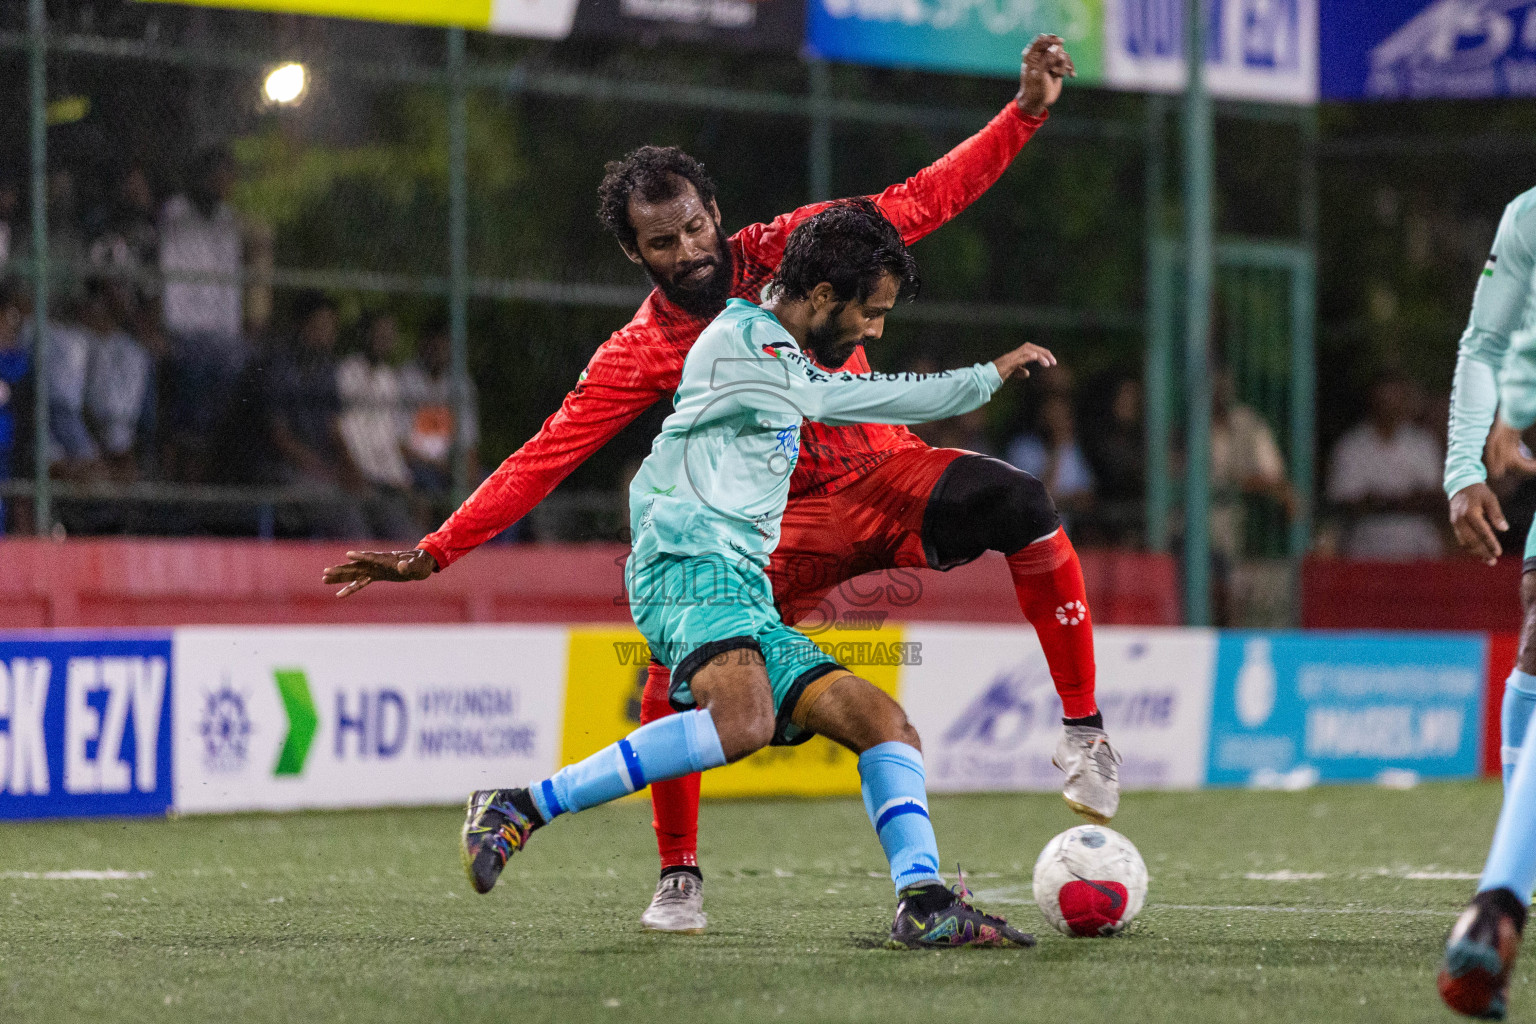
(85, 725)
(983, 701)
(982, 37)
(1413, 49)
(1255, 49)
(1338, 707)
(277, 719)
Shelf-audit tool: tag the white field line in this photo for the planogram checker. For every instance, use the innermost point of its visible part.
(1285, 876)
(78, 876)
(1442, 876)
(1410, 875)
(1016, 895)
(1382, 911)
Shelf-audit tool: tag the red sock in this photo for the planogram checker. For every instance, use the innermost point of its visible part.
(1049, 581)
(675, 802)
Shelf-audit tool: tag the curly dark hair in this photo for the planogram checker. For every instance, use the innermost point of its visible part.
(657, 173)
(850, 245)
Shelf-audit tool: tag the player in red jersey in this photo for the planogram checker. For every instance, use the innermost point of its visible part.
(862, 498)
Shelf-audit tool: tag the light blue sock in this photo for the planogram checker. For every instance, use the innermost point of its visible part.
(1512, 858)
(892, 780)
(667, 748)
(1519, 702)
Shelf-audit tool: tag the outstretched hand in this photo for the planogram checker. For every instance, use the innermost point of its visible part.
(1045, 64)
(364, 567)
(1017, 361)
(1475, 515)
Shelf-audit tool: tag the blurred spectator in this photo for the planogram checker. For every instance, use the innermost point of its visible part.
(72, 451)
(66, 243)
(10, 216)
(125, 241)
(120, 380)
(303, 407)
(1385, 477)
(373, 416)
(1049, 452)
(1245, 463)
(1114, 442)
(200, 234)
(428, 389)
(15, 364)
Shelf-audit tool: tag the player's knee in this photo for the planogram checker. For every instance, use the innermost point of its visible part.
(891, 724)
(757, 723)
(744, 728)
(736, 692)
(1025, 512)
(986, 504)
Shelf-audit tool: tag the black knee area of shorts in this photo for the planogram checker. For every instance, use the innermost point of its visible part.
(702, 656)
(983, 504)
(1528, 565)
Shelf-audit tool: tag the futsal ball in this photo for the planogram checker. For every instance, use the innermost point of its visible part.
(1090, 881)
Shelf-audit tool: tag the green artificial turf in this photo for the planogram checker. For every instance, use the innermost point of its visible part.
(366, 916)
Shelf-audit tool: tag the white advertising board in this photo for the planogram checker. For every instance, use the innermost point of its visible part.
(1262, 50)
(284, 718)
(983, 701)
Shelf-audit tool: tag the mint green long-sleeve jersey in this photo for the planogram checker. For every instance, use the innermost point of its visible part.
(1496, 364)
(717, 478)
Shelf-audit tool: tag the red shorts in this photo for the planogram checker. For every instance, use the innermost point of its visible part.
(874, 523)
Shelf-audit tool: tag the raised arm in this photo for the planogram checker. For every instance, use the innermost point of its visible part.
(938, 192)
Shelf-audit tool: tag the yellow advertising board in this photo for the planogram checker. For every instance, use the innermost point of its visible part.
(605, 676)
(544, 19)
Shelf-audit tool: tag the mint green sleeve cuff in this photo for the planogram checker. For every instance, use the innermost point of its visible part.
(1474, 401)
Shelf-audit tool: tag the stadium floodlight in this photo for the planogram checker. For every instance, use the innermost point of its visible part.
(286, 84)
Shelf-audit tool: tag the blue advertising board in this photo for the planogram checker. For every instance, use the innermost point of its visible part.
(1413, 49)
(85, 725)
(1346, 706)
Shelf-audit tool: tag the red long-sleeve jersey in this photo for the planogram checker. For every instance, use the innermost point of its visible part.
(643, 361)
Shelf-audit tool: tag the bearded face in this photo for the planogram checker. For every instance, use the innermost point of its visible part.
(700, 285)
(832, 341)
(680, 244)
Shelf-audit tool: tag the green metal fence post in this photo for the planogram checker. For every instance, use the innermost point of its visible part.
(819, 152)
(1159, 326)
(1303, 354)
(37, 33)
(1198, 276)
(458, 262)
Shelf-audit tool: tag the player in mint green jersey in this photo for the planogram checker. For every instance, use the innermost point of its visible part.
(705, 511)
(1496, 375)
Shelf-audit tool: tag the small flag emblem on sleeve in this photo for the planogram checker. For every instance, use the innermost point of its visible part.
(1488, 267)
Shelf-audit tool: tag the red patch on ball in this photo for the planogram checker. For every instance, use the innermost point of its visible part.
(1090, 908)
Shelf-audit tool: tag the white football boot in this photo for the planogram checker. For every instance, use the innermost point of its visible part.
(1092, 788)
(678, 906)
